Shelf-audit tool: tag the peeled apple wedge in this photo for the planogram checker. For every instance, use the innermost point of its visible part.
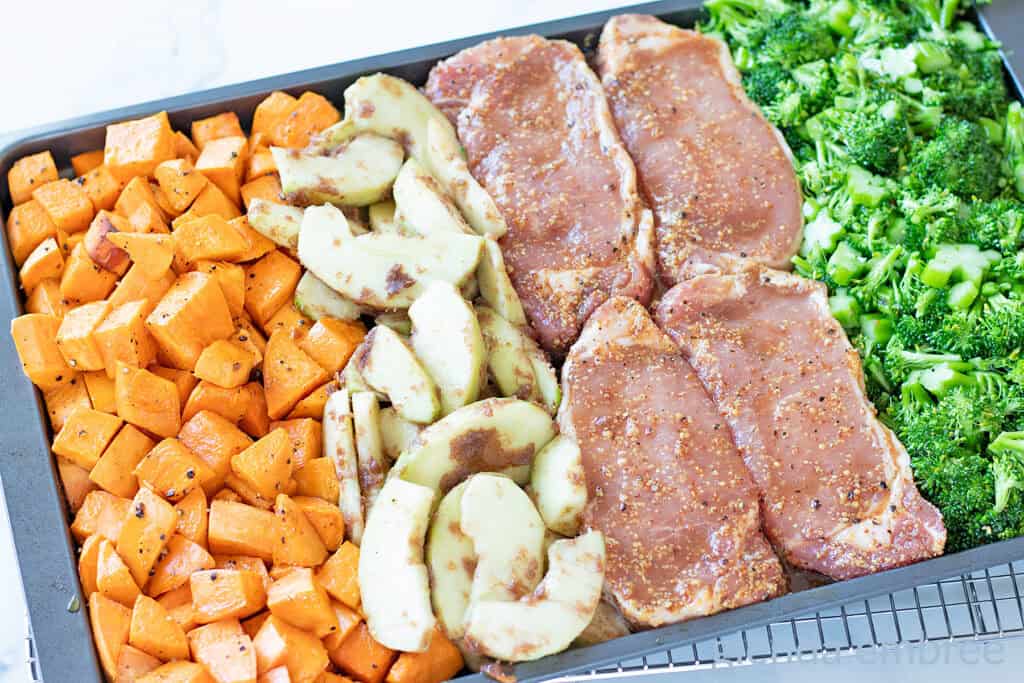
(358, 172)
(393, 579)
(396, 433)
(389, 106)
(340, 447)
(373, 467)
(316, 300)
(556, 613)
(496, 287)
(396, 320)
(423, 204)
(446, 338)
(451, 560)
(507, 359)
(389, 366)
(559, 485)
(494, 435)
(277, 222)
(381, 270)
(382, 217)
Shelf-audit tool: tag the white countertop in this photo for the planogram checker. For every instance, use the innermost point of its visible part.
(64, 59)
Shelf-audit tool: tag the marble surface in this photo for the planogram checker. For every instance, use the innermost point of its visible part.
(63, 59)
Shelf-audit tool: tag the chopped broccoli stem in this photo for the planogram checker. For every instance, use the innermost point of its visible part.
(845, 264)
(940, 379)
(821, 233)
(931, 57)
(876, 328)
(864, 188)
(962, 295)
(845, 309)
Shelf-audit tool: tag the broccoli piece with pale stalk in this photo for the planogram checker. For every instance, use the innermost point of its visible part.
(961, 158)
(997, 224)
(1013, 146)
(773, 30)
(963, 488)
(875, 139)
(1007, 452)
(767, 82)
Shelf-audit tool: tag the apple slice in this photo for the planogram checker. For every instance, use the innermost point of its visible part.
(340, 447)
(559, 485)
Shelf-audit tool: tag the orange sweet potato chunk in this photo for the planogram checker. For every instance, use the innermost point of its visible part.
(258, 244)
(297, 598)
(153, 252)
(35, 338)
(192, 314)
(147, 401)
(133, 664)
(224, 364)
(297, 543)
(138, 283)
(146, 530)
(240, 529)
(193, 517)
(222, 161)
(29, 173)
(101, 513)
(270, 283)
(439, 663)
(289, 374)
(226, 594)
(326, 518)
(86, 161)
(317, 479)
(101, 187)
(101, 391)
(362, 657)
(111, 624)
(340, 575)
(179, 561)
(46, 262)
(331, 342)
(137, 193)
(261, 164)
(114, 471)
(183, 380)
(225, 650)
(75, 482)
(123, 337)
(172, 470)
(135, 148)
(154, 632)
(113, 577)
(65, 400)
(255, 421)
(45, 298)
(180, 182)
(266, 465)
(306, 435)
(208, 237)
(101, 249)
(278, 644)
(231, 404)
(290, 320)
(231, 278)
(28, 225)
(271, 111)
(88, 564)
(67, 204)
(348, 620)
(266, 187)
(223, 125)
(83, 280)
(178, 672)
(85, 435)
(311, 114)
(76, 337)
(215, 440)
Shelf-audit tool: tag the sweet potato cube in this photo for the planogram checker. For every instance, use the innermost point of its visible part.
(208, 237)
(85, 435)
(101, 513)
(266, 465)
(439, 663)
(83, 280)
(266, 187)
(278, 643)
(67, 204)
(297, 598)
(153, 631)
(183, 380)
(86, 161)
(193, 517)
(225, 650)
(27, 226)
(231, 404)
(184, 148)
(172, 470)
(147, 528)
(75, 481)
(35, 338)
(289, 320)
(258, 244)
(331, 342)
(223, 125)
(136, 148)
(178, 672)
(252, 564)
(306, 438)
(76, 337)
(271, 111)
(288, 374)
(163, 202)
(180, 182)
(101, 187)
(114, 471)
(211, 200)
(224, 364)
(133, 664)
(98, 246)
(45, 298)
(246, 493)
(255, 421)
(113, 577)
(222, 161)
(270, 283)
(148, 219)
(45, 262)
(137, 192)
(124, 338)
(111, 624)
(177, 563)
(88, 564)
(339, 575)
(226, 594)
(29, 173)
(261, 164)
(147, 401)
(362, 657)
(231, 278)
(178, 603)
(297, 542)
(214, 440)
(101, 391)
(313, 405)
(348, 620)
(311, 114)
(138, 284)
(252, 625)
(240, 529)
(65, 400)
(192, 314)
(317, 479)
(153, 252)
(326, 518)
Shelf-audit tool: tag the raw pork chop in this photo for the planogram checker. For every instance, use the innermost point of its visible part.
(667, 486)
(540, 139)
(715, 173)
(838, 492)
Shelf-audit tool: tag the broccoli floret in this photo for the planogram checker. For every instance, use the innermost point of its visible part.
(875, 139)
(995, 225)
(744, 21)
(972, 86)
(1013, 146)
(792, 39)
(963, 489)
(767, 82)
(960, 157)
(1007, 452)
(1000, 330)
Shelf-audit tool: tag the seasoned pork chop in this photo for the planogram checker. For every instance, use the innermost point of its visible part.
(715, 173)
(540, 139)
(838, 492)
(667, 487)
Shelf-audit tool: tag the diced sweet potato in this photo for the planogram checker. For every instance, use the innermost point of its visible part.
(261, 164)
(331, 342)
(154, 632)
(111, 624)
(101, 187)
(133, 664)
(221, 125)
(249, 337)
(178, 604)
(86, 161)
(255, 422)
(266, 465)
(75, 482)
(114, 471)
(83, 280)
(67, 204)
(247, 494)
(163, 202)
(88, 564)
(266, 187)
(362, 657)
(289, 320)
(27, 226)
(348, 620)
(45, 298)
(193, 516)
(136, 148)
(326, 518)
(252, 625)
(123, 337)
(137, 193)
(208, 237)
(224, 364)
(63, 401)
(228, 495)
(271, 111)
(278, 643)
(313, 405)
(147, 528)
(183, 380)
(45, 262)
(270, 283)
(317, 479)
(101, 250)
(85, 435)
(311, 114)
(101, 391)
(153, 252)
(148, 218)
(288, 374)
(439, 663)
(212, 200)
(225, 650)
(252, 564)
(231, 278)
(297, 598)
(147, 401)
(184, 148)
(231, 404)
(76, 337)
(340, 575)
(29, 173)
(138, 284)
(172, 470)
(180, 182)
(192, 314)
(297, 542)
(178, 672)
(35, 338)
(258, 244)
(239, 529)
(226, 594)
(113, 577)
(306, 438)
(180, 559)
(102, 513)
(222, 161)
(214, 439)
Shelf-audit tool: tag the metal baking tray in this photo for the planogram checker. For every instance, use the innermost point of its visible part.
(63, 649)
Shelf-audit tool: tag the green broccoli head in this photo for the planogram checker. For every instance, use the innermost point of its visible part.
(874, 140)
(996, 224)
(1007, 452)
(767, 82)
(960, 157)
(972, 86)
(963, 488)
(792, 39)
